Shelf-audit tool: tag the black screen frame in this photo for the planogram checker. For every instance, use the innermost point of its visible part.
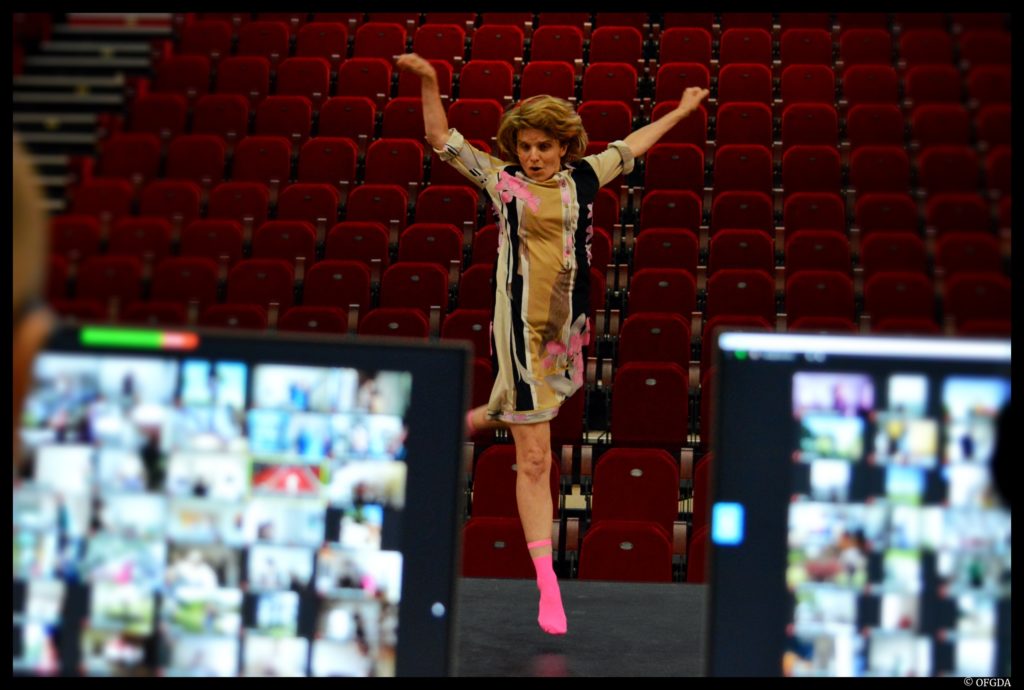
(748, 601)
(431, 525)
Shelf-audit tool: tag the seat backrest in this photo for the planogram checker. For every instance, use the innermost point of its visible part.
(745, 45)
(331, 160)
(658, 247)
(819, 293)
(654, 337)
(879, 169)
(415, 284)
(817, 249)
(741, 291)
(743, 167)
(494, 547)
(898, 294)
(668, 208)
(806, 46)
(616, 44)
(741, 248)
(636, 484)
(663, 289)
(497, 42)
(347, 116)
(808, 84)
(286, 116)
(405, 322)
(212, 238)
(814, 211)
(626, 551)
(811, 169)
(685, 44)
(200, 158)
(742, 209)
(547, 77)
(491, 79)
(875, 124)
(240, 201)
(892, 251)
(265, 159)
(361, 241)
(742, 81)
(813, 124)
(675, 166)
(337, 283)
(365, 76)
(379, 39)
(382, 203)
(260, 282)
(650, 405)
(553, 42)
(494, 483)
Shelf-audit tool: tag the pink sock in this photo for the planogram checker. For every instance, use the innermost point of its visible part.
(552, 616)
(469, 423)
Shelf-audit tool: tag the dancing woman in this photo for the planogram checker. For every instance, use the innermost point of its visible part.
(543, 191)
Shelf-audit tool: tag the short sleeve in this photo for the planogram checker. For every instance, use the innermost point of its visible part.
(470, 161)
(616, 160)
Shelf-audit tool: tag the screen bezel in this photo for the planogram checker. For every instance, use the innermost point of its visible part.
(750, 635)
(432, 515)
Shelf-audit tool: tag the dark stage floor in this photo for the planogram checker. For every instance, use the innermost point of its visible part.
(615, 629)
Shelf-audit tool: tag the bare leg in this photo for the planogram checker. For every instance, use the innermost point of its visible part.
(533, 497)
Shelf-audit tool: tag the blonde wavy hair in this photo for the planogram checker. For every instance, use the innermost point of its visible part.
(552, 115)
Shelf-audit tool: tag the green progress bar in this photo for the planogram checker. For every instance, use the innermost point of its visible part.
(116, 337)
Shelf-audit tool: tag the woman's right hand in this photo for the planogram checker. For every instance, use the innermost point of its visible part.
(411, 62)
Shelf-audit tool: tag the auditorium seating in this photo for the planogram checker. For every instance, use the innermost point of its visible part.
(849, 171)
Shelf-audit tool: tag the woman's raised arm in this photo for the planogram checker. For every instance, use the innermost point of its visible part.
(648, 135)
(435, 122)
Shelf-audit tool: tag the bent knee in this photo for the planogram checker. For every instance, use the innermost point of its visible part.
(535, 463)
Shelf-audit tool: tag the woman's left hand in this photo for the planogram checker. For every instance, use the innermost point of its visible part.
(691, 99)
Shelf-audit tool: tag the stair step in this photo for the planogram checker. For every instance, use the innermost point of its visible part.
(52, 120)
(71, 101)
(112, 32)
(102, 48)
(115, 82)
(73, 138)
(120, 18)
(60, 181)
(82, 63)
(44, 160)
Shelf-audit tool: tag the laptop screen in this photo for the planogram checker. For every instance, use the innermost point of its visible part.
(856, 529)
(201, 503)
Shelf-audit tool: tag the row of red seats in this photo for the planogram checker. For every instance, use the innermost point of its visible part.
(635, 495)
(228, 115)
(610, 96)
(571, 42)
(938, 168)
(957, 21)
(238, 209)
(494, 77)
(676, 249)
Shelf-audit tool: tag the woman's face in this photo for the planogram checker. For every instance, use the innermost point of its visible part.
(540, 154)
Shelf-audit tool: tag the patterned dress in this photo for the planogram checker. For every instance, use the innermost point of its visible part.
(542, 276)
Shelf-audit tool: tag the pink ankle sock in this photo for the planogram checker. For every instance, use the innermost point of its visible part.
(551, 616)
(469, 423)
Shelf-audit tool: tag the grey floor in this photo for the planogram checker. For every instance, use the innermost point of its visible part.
(615, 629)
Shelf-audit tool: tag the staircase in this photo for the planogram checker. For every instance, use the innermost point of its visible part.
(73, 81)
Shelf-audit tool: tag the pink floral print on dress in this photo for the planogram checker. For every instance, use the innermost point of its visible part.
(510, 187)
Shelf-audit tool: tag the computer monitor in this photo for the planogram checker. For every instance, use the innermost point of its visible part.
(856, 529)
(210, 503)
